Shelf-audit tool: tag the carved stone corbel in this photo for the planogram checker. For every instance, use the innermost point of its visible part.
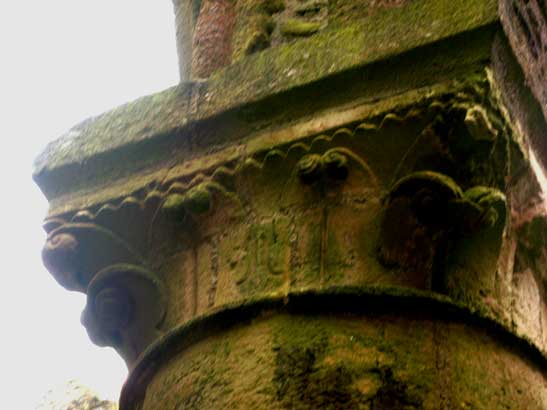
(425, 213)
(125, 301)
(125, 304)
(75, 252)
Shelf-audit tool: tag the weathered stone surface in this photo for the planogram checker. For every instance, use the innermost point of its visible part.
(412, 198)
(181, 122)
(344, 212)
(526, 25)
(339, 362)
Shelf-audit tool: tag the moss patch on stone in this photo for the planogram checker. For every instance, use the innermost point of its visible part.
(298, 28)
(275, 70)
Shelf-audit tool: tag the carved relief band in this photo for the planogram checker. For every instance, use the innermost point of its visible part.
(314, 214)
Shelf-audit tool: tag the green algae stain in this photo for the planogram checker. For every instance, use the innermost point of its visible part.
(335, 260)
(299, 28)
(320, 366)
(198, 200)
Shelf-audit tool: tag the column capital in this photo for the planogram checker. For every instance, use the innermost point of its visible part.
(372, 166)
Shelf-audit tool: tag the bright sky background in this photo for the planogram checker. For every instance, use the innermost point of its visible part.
(60, 62)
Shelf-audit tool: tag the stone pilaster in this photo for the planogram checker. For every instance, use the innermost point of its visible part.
(341, 211)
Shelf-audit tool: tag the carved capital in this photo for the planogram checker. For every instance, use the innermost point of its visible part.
(411, 199)
(333, 204)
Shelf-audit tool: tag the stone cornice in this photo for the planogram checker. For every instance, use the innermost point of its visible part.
(115, 188)
(181, 120)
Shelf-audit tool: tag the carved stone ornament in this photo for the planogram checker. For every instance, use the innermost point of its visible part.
(340, 206)
(431, 210)
(125, 304)
(71, 253)
(319, 212)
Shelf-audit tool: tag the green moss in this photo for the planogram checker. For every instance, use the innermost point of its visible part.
(339, 48)
(253, 34)
(262, 264)
(298, 28)
(357, 60)
(378, 346)
(365, 41)
(273, 6)
(174, 204)
(328, 364)
(254, 26)
(198, 200)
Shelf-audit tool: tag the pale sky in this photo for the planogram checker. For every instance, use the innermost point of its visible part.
(61, 61)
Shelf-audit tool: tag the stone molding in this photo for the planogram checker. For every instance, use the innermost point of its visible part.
(361, 301)
(236, 225)
(180, 121)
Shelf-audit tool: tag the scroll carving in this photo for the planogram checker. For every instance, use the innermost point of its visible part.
(183, 212)
(75, 252)
(255, 26)
(264, 23)
(125, 304)
(425, 212)
(125, 301)
(303, 18)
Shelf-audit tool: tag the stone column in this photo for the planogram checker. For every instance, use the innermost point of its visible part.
(339, 207)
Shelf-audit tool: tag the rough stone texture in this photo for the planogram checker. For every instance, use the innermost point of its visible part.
(212, 47)
(182, 123)
(186, 13)
(345, 212)
(525, 22)
(340, 362)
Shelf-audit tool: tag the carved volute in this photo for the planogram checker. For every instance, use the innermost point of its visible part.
(322, 219)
